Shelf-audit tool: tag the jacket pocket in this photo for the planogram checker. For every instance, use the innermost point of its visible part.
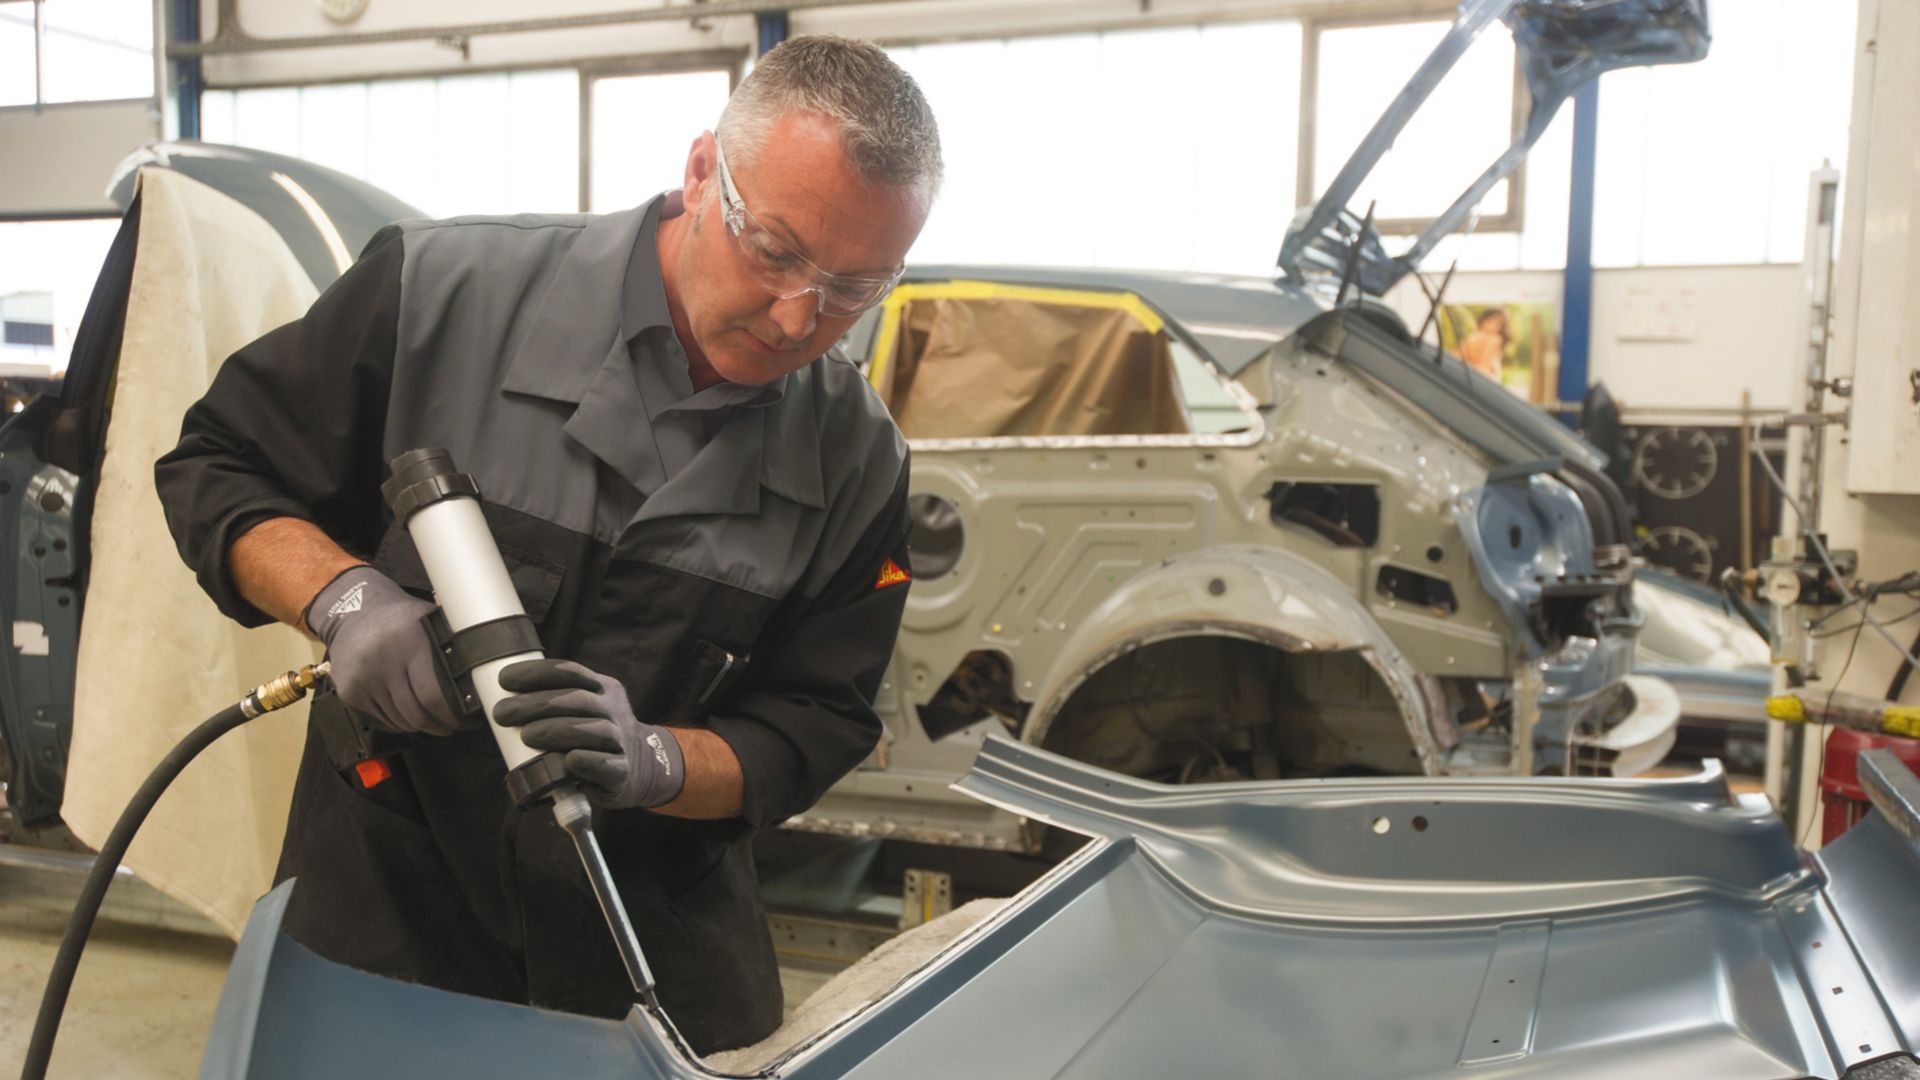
(709, 673)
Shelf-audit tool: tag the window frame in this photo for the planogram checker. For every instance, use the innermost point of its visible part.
(63, 217)
(40, 104)
(369, 80)
(1313, 18)
(1512, 220)
(586, 72)
(731, 61)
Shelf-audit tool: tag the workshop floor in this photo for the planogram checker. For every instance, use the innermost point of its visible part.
(141, 1004)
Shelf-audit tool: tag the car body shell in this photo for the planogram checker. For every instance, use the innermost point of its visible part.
(1384, 928)
(1078, 551)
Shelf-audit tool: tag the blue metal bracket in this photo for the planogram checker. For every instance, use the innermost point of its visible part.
(773, 30)
(1576, 301)
(188, 82)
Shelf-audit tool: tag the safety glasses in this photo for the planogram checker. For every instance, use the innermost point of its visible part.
(784, 272)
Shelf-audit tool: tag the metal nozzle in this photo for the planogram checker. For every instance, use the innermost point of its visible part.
(575, 815)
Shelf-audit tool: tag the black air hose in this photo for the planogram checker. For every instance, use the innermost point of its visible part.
(264, 699)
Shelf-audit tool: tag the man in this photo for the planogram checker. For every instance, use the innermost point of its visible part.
(706, 519)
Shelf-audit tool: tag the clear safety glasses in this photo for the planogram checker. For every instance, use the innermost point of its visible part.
(784, 272)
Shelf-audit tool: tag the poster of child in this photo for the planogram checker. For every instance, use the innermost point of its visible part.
(1516, 345)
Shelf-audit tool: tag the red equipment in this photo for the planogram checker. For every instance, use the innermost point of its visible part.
(1844, 800)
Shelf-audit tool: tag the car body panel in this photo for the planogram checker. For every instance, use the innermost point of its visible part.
(1501, 551)
(50, 452)
(49, 460)
(1075, 550)
(325, 216)
(1262, 594)
(39, 606)
(1383, 928)
(1720, 666)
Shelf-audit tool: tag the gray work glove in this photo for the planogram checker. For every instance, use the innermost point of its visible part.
(620, 762)
(382, 658)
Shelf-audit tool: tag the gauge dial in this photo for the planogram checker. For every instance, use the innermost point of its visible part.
(1676, 462)
(1680, 550)
(341, 11)
(1783, 588)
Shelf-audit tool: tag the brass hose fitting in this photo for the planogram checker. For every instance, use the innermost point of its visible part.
(282, 690)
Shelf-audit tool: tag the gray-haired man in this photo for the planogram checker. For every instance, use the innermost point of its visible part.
(707, 520)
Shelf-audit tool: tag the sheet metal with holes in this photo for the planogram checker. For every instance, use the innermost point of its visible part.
(1381, 928)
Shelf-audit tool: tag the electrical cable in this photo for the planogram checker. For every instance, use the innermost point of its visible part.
(1895, 621)
(1836, 613)
(1905, 585)
(1826, 560)
(268, 697)
(1899, 684)
(1820, 768)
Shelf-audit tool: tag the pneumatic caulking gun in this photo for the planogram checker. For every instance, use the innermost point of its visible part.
(478, 629)
(481, 628)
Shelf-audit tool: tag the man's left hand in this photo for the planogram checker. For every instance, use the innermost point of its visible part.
(620, 762)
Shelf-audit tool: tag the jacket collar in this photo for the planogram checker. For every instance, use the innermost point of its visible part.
(575, 351)
(567, 344)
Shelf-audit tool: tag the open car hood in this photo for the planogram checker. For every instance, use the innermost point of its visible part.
(1561, 44)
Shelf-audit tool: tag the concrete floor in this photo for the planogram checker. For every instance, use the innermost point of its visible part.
(142, 1001)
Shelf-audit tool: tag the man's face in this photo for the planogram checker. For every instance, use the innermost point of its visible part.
(801, 188)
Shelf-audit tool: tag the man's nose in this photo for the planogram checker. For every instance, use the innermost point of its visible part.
(796, 316)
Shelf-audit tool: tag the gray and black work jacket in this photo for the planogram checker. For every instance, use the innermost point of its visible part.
(506, 340)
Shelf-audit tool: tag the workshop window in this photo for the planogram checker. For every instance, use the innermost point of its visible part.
(1461, 129)
(16, 53)
(1167, 148)
(30, 334)
(100, 50)
(640, 127)
(468, 144)
(47, 269)
(1707, 163)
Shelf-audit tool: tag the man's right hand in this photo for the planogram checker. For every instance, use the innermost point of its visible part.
(381, 655)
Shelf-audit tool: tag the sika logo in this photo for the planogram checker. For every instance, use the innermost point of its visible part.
(351, 601)
(891, 574)
(660, 752)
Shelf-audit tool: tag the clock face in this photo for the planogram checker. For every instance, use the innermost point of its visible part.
(1676, 462)
(341, 11)
(1681, 550)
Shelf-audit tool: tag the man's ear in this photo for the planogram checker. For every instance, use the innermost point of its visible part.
(701, 169)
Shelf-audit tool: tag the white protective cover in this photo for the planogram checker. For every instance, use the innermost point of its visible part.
(156, 658)
(870, 978)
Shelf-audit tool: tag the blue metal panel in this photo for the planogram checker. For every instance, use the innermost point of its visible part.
(187, 79)
(1576, 304)
(1536, 930)
(773, 29)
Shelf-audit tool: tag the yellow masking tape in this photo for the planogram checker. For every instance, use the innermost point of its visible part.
(1787, 708)
(1901, 720)
(889, 329)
